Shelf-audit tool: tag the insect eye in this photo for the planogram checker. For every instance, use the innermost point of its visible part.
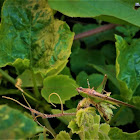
(80, 88)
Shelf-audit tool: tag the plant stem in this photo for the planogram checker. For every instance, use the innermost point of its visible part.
(8, 77)
(94, 31)
(116, 115)
(35, 85)
(31, 97)
(48, 126)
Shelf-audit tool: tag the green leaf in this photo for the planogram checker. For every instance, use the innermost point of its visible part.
(63, 135)
(109, 70)
(136, 93)
(58, 69)
(42, 136)
(136, 101)
(99, 10)
(105, 128)
(30, 36)
(118, 134)
(86, 57)
(1, 3)
(127, 66)
(66, 71)
(94, 79)
(127, 30)
(64, 86)
(81, 79)
(87, 125)
(15, 125)
(103, 136)
(92, 133)
(82, 117)
(65, 119)
(84, 124)
(27, 79)
(109, 53)
(76, 46)
(74, 127)
(126, 116)
(137, 117)
(72, 103)
(114, 90)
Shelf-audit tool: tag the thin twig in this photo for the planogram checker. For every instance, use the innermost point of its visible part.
(42, 115)
(18, 85)
(45, 128)
(94, 31)
(39, 114)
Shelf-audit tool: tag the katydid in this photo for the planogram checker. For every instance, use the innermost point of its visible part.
(101, 101)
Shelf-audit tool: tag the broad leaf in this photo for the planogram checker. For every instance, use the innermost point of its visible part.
(31, 37)
(128, 31)
(109, 70)
(94, 79)
(74, 127)
(127, 66)
(66, 71)
(118, 134)
(63, 135)
(15, 125)
(87, 125)
(136, 101)
(104, 130)
(104, 10)
(72, 103)
(109, 52)
(64, 86)
(126, 116)
(80, 59)
(27, 79)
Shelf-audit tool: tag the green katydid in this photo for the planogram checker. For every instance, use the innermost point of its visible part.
(101, 101)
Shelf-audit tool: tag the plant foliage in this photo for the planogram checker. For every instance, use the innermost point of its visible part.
(40, 58)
